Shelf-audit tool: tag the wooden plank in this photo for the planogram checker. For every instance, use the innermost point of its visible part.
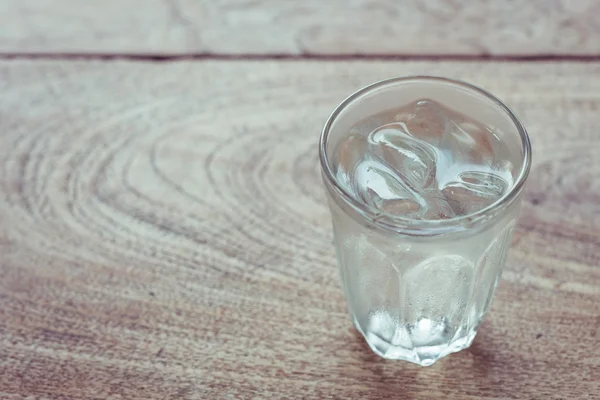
(164, 235)
(413, 27)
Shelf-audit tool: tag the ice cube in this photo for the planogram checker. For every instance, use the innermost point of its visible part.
(413, 159)
(437, 205)
(424, 119)
(474, 190)
(351, 150)
(399, 206)
(369, 124)
(468, 142)
(379, 186)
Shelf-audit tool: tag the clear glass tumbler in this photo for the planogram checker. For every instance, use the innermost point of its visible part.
(417, 290)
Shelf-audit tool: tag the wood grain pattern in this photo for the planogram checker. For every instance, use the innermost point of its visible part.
(163, 234)
(459, 27)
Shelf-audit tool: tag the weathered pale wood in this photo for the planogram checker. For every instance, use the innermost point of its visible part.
(163, 234)
(301, 27)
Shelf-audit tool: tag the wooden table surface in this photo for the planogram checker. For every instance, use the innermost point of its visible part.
(163, 229)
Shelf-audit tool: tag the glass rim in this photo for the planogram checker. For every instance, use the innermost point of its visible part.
(400, 224)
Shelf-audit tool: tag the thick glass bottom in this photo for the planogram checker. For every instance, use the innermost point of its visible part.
(422, 343)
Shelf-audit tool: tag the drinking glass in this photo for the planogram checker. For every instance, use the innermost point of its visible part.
(417, 290)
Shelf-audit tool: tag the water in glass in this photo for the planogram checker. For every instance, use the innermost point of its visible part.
(423, 161)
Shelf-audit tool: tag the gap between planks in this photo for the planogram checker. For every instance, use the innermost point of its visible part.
(301, 57)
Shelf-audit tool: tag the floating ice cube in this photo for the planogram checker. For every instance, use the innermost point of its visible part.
(398, 206)
(351, 151)
(425, 120)
(379, 186)
(474, 190)
(437, 205)
(411, 158)
(468, 142)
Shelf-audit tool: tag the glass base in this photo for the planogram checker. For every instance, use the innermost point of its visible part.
(423, 343)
